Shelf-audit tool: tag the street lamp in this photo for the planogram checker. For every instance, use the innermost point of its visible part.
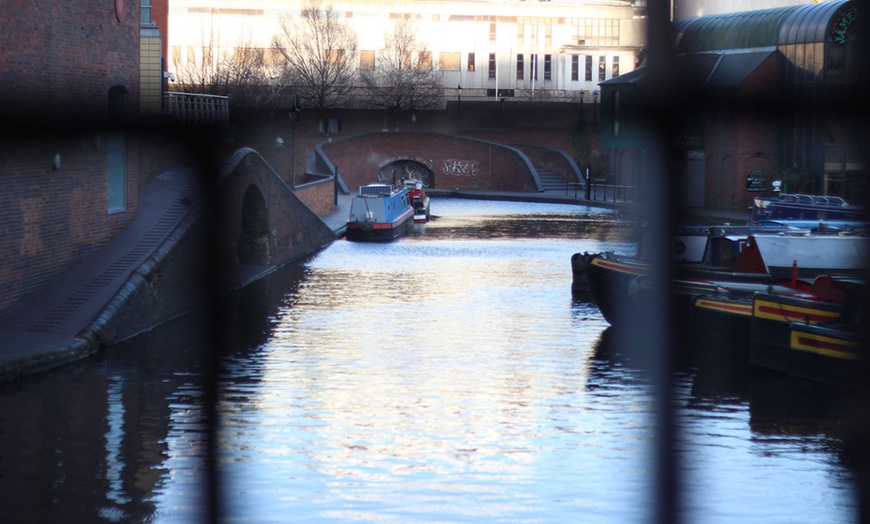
(595, 105)
(294, 117)
(279, 143)
(459, 106)
(582, 96)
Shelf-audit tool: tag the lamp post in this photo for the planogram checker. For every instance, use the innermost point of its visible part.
(294, 117)
(582, 96)
(595, 105)
(279, 143)
(459, 106)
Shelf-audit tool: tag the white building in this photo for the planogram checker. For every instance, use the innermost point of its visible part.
(493, 49)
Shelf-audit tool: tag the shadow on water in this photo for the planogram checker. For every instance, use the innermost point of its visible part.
(90, 442)
(121, 437)
(713, 377)
(780, 407)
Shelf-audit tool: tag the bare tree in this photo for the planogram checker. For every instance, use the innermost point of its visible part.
(320, 51)
(235, 69)
(404, 76)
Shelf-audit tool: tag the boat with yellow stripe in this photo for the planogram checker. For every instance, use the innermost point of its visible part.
(810, 337)
(826, 353)
(725, 316)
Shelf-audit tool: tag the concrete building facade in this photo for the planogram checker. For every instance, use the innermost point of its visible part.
(493, 49)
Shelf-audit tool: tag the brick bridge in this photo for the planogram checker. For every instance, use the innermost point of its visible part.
(262, 222)
(447, 161)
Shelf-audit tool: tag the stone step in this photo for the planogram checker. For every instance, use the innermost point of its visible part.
(550, 180)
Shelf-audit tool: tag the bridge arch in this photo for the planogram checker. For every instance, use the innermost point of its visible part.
(253, 245)
(407, 168)
(259, 222)
(455, 161)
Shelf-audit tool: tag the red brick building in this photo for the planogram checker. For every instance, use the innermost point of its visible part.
(71, 166)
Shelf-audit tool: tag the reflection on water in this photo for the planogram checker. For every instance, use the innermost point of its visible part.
(448, 376)
(435, 380)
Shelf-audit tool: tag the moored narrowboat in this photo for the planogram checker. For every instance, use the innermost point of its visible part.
(811, 208)
(802, 335)
(419, 200)
(825, 352)
(380, 212)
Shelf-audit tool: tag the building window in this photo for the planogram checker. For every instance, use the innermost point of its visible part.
(614, 67)
(548, 35)
(588, 75)
(367, 59)
(471, 61)
(533, 67)
(601, 69)
(274, 57)
(492, 31)
(145, 12)
(449, 61)
(425, 63)
(548, 67)
(336, 57)
(521, 33)
(598, 32)
(492, 66)
(575, 68)
(520, 66)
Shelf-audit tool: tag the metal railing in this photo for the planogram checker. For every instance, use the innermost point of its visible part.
(601, 191)
(195, 108)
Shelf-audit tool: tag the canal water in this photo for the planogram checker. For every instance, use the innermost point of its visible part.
(445, 377)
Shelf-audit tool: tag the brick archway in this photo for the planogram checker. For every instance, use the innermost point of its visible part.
(455, 161)
(261, 221)
(399, 169)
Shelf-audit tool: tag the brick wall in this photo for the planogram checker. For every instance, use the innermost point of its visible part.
(456, 162)
(60, 59)
(51, 219)
(318, 196)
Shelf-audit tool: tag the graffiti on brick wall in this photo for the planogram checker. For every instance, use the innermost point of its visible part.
(454, 167)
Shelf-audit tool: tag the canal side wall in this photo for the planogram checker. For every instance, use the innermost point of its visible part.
(200, 259)
(174, 281)
(456, 162)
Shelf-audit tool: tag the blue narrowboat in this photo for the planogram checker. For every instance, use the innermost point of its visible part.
(380, 212)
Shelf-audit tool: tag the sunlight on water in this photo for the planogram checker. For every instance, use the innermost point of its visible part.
(437, 380)
(445, 377)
